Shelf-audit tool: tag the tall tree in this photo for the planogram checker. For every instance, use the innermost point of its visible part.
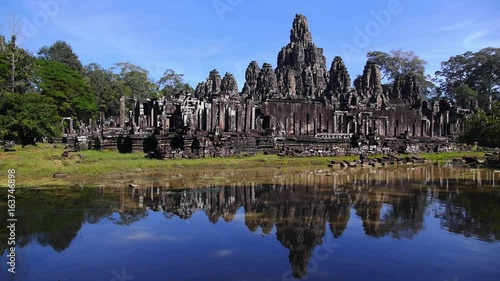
(72, 95)
(17, 67)
(137, 81)
(399, 64)
(171, 83)
(487, 74)
(107, 88)
(483, 127)
(479, 72)
(26, 117)
(62, 52)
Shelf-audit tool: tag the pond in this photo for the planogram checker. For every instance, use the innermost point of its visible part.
(407, 223)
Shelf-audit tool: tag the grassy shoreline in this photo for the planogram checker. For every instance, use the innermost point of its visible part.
(36, 165)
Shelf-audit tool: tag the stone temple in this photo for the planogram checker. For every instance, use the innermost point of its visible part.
(298, 108)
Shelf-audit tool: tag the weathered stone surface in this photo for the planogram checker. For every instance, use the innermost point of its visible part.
(199, 91)
(251, 81)
(211, 88)
(371, 81)
(300, 31)
(267, 83)
(369, 90)
(301, 70)
(412, 92)
(229, 86)
(260, 84)
(340, 81)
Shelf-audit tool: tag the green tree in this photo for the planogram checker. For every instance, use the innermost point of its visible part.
(136, 80)
(466, 97)
(62, 52)
(24, 118)
(17, 67)
(478, 71)
(484, 127)
(172, 83)
(72, 95)
(107, 88)
(399, 64)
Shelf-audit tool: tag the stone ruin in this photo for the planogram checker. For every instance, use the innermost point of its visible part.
(298, 108)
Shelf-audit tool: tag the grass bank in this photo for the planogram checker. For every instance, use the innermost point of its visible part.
(36, 165)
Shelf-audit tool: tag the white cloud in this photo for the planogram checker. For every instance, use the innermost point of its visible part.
(148, 236)
(224, 253)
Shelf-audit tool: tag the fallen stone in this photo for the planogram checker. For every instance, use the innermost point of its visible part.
(470, 160)
(65, 154)
(60, 175)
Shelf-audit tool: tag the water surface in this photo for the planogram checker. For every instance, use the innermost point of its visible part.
(407, 223)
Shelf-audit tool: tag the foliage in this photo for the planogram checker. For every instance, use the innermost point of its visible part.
(480, 72)
(27, 117)
(72, 95)
(172, 83)
(465, 97)
(80, 206)
(107, 88)
(399, 64)
(62, 52)
(483, 127)
(17, 68)
(136, 81)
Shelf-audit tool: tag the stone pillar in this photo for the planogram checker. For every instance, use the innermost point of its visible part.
(213, 119)
(334, 123)
(252, 127)
(122, 112)
(432, 126)
(222, 117)
(387, 126)
(132, 117)
(71, 126)
(294, 128)
(341, 124)
(441, 125)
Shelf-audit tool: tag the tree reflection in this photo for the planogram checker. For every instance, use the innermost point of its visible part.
(54, 217)
(389, 203)
(470, 213)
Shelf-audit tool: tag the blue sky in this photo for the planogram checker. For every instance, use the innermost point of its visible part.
(196, 36)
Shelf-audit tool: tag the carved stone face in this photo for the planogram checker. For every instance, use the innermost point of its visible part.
(380, 101)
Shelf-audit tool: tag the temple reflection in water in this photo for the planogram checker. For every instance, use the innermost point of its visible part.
(302, 209)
